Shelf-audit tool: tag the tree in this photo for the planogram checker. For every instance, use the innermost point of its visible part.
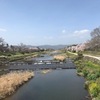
(1, 40)
(4, 47)
(12, 48)
(94, 43)
(1, 44)
(22, 47)
(95, 33)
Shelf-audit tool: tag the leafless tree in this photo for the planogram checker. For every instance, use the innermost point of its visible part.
(94, 43)
(4, 47)
(95, 33)
(1, 44)
(1, 40)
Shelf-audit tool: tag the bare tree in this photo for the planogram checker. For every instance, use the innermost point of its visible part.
(94, 43)
(4, 47)
(1, 44)
(1, 40)
(95, 33)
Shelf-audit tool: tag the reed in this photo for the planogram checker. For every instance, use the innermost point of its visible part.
(60, 57)
(11, 81)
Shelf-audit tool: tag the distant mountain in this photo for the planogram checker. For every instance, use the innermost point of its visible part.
(49, 46)
(52, 46)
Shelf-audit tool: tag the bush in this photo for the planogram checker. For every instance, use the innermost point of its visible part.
(80, 55)
(85, 72)
(79, 70)
(91, 76)
(97, 74)
(94, 89)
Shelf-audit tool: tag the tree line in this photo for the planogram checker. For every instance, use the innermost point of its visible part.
(5, 48)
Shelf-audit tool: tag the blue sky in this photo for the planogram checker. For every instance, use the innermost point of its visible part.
(39, 22)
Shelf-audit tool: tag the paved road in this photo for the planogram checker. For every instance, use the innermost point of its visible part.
(92, 56)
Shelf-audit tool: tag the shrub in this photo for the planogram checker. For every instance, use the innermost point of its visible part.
(91, 76)
(94, 89)
(79, 70)
(80, 55)
(85, 72)
(97, 74)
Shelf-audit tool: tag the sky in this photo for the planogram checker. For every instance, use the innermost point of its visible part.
(53, 22)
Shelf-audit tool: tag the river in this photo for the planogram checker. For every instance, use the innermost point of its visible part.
(62, 84)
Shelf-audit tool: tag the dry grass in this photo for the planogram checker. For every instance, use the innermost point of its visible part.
(60, 57)
(45, 71)
(11, 81)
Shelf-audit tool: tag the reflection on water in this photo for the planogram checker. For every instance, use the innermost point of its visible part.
(55, 85)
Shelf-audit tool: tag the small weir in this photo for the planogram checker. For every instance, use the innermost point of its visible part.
(42, 64)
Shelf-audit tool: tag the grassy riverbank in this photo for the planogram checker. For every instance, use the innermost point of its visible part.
(91, 72)
(11, 81)
(18, 56)
(4, 59)
(89, 68)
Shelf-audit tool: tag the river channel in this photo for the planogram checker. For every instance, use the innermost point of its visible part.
(60, 84)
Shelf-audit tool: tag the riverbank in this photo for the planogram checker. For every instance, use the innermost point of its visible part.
(27, 57)
(91, 72)
(88, 67)
(18, 56)
(11, 81)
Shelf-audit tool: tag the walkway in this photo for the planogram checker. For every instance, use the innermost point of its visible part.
(86, 55)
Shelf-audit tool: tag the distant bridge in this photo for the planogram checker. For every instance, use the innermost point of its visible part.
(39, 65)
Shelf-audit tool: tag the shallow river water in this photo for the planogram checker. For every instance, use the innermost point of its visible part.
(55, 85)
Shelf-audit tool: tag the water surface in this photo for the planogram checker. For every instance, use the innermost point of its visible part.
(55, 85)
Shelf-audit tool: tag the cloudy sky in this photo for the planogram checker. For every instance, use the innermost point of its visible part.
(38, 22)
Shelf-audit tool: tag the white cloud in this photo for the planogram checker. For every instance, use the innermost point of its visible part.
(77, 36)
(82, 31)
(81, 34)
(2, 30)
